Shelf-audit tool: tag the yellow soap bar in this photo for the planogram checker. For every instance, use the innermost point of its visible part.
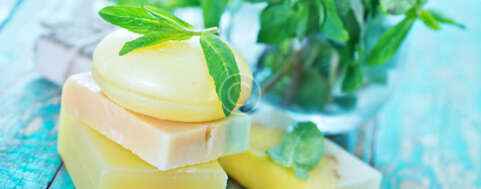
(168, 81)
(163, 144)
(255, 170)
(94, 162)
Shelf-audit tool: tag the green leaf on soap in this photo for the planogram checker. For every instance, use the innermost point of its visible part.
(333, 27)
(155, 24)
(223, 69)
(168, 18)
(153, 39)
(142, 20)
(134, 19)
(301, 149)
(387, 46)
(212, 11)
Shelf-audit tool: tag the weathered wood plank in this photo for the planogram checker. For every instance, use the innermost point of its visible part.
(62, 180)
(27, 134)
(429, 133)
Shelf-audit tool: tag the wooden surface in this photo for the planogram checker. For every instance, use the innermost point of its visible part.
(428, 135)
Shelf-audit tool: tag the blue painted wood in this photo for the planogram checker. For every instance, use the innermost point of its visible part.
(27, 135)
(11, 6)
(430, 132)
(30, 105)
(62, 180)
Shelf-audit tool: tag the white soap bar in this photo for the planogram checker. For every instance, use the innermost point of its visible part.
(164, 144)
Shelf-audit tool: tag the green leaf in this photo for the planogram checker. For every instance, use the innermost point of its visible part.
(316, 15)
(134, 19)
(273, 19)
(181, 3)
(387, 46)
(301, 149)
(445, 20)
(223, 69)
(167, 17)
(153, 39)
(132, 2)
(255, 1)
(397, 7)
(142, 20)
(212, 11)
(353, 79)
(298, 19)
(429, 20)
(333, 27)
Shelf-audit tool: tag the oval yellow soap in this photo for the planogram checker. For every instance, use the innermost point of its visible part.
(168, 81)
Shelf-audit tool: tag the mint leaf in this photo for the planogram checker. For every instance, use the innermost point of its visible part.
(273, 19)
(132, 2)
(390, 41)
(212, 11)
(353, 79)
(134, 19)
(223, 69)
(291, 18)
(152, 39)
(165, 16)
(316, 15)
(333, 27)
(301, 149)
(397, 7)
(445, 20)
(157, 25)
(429, 20)
(142, 20)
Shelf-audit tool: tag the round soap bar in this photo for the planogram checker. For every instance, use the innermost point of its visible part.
(168, 81)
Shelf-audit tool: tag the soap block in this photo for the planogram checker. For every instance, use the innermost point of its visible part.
(255, 170)
(163, 144)
(94, 162)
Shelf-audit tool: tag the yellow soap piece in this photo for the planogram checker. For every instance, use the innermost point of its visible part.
(163, 144)
(169, 81)
(254, 169)
(94, 162)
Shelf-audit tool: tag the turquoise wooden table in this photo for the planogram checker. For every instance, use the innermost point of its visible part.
(428, 135)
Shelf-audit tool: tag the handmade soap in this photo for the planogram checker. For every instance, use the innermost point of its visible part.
(163, 144)
(168, 81)
(94, 162)
(254, 169)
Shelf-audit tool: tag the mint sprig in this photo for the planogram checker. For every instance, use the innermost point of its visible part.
(158, 26)
(223, 69)
(301, 149)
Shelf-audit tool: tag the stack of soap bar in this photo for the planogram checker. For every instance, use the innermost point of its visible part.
(255, 170)
(94, 162)
(163, 144)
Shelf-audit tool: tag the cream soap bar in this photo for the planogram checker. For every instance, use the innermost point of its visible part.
(94, 162)
(254, 169)
(169, 81)
(163, 144)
